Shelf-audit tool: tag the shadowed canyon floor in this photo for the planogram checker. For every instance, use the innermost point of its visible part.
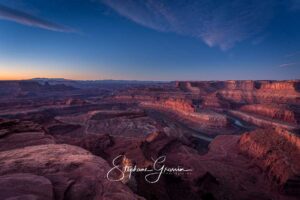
(238, 140)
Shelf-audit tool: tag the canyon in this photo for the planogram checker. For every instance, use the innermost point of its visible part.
(238, 139)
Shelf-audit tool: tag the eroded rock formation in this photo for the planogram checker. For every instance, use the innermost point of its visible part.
(276, 112)
(73, 172)
(64, 140)
(277, 152)
(25, 186)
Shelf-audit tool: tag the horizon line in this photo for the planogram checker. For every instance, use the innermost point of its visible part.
(175, 80)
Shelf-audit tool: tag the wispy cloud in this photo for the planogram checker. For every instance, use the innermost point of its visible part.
(220, 23)
(23, 18)
(292, 54)
(287, 64)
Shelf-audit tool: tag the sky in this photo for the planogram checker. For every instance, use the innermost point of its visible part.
(150, 39)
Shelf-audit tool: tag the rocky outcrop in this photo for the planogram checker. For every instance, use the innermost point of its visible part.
(179, 105)
(280, 92)
(272, 111)
(186, 112)
(8, 126)
(72, 101)
(94, 143)
(277, 152)
(213, 101)
(237, 85)
(262, 121)
(157, 144)
(212, 118)
(26, 187)
(20, 140)
(292, 86)
(191, 87)
(259, 97)
(73, 172)
(241, 92)
(228, 167)
(200, 87)
(241, 85)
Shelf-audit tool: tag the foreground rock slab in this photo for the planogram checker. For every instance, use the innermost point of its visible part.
(25, 187)
(74, 173)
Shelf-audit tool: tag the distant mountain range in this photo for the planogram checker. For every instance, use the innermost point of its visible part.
(93, 83)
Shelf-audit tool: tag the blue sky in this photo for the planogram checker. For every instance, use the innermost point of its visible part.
(150, 39)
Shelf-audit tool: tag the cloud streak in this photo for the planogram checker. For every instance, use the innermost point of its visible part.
(219, 23)
(23, 18)
(288, 64)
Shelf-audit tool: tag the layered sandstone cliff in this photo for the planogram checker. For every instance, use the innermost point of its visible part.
(264, 122)
(277, 152)
(272, 111)
(247, 91)
(258, 103)
(186, 109)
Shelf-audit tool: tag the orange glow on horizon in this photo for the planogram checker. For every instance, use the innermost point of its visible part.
(17, 73)
(13, 74)
(17, 77)
(24, 73)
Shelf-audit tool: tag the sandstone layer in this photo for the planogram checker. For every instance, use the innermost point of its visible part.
(277, 152)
